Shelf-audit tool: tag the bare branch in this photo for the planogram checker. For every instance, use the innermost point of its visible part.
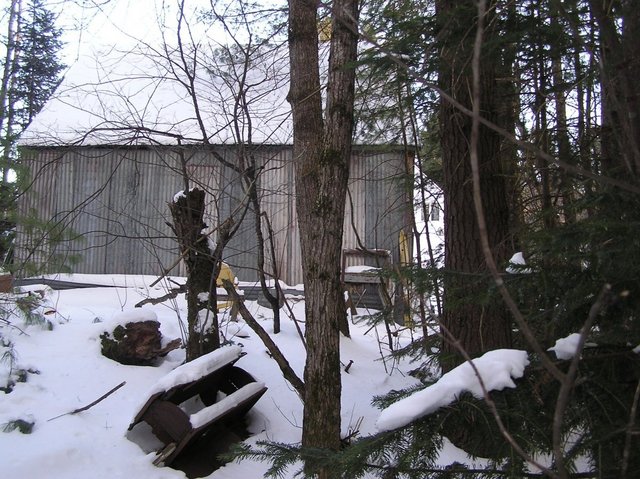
(630, 432)
(288, 372)
(568, 380)
(88, 406)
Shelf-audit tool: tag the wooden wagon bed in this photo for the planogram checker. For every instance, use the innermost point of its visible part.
(227, 392)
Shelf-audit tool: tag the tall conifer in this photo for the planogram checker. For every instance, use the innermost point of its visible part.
(39, 65)
(30, 75)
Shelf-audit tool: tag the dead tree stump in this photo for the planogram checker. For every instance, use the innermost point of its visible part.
(187, 211)
(137, 343)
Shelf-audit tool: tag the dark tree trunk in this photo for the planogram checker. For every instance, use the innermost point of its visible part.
(508, 104)
(275, 300)
(477, 321)
(322, 153)
(620, 64)
(188, 212)
(618, 24)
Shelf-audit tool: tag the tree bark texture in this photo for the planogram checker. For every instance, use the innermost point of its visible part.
(322, 151)
(620, 70)
(479, 323)
(187, 213)
(8, 78)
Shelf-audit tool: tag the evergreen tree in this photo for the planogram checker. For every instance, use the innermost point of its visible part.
(31, 74)
(579, 223)
(559, 80)
(39, 65)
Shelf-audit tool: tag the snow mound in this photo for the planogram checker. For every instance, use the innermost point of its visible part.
(122, 318)
(198, 368)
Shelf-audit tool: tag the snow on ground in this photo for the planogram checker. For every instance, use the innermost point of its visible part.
(72, 373)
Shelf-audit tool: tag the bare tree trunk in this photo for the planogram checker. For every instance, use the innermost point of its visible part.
(275, 300)
(8, 74)
(322, 154)
(479, 323)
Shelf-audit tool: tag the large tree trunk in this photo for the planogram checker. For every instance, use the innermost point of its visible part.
(619, 33)
(321, 154)
(479, 323)
(620, 63)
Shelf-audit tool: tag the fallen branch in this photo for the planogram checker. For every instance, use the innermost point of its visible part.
(170, 295)
(88, 406)
(274, 351)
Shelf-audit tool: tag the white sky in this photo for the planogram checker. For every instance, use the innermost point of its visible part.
(119, 81)
(121, 23)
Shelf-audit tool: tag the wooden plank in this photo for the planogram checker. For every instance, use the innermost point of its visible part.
(206, 384)
(176, 430)
(232, 407)
(363, 277)
(168, 422)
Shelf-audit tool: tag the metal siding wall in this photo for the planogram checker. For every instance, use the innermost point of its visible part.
(386, 205)
(227, 196)
(124, 195)
(91, 185)
(354, 222)
(122, 223)
(240, 253)
(142, 185)
(115, 203)
(162, 184)
(277, 198)
(46, 193)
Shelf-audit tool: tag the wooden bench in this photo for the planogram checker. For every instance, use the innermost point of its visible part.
(362, 279)
(204, 377)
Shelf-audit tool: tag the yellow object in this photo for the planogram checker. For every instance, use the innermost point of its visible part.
(404, 249)
(405, 260)
(226, 273)
(324, 30)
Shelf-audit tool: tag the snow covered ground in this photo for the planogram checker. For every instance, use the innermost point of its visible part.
(66, 371)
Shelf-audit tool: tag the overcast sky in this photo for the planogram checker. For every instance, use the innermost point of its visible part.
(123, 23)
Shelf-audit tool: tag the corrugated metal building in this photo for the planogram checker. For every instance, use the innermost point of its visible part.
(140, 123)
(104, 209)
